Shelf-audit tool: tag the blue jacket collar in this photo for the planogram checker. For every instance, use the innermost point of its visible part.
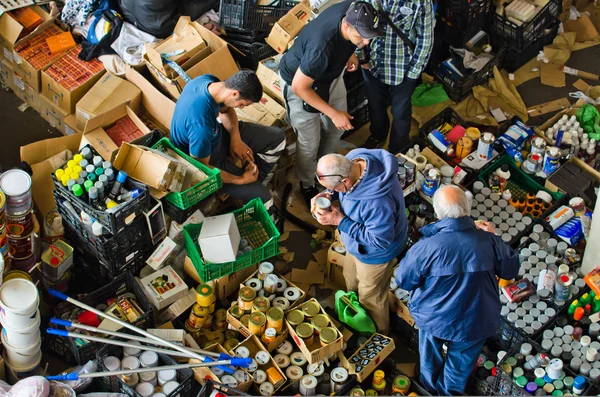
(448, 225)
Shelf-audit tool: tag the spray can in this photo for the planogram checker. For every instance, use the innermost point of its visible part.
(94, 199)
(486, 146)
(562, 288)
(431, 182)
(551, 160)
(116, 188)
(536, 361)
(547, 280)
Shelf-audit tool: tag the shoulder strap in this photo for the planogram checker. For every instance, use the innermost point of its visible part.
(385, 16)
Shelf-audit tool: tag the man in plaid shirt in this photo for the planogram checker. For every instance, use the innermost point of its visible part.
(391, 68)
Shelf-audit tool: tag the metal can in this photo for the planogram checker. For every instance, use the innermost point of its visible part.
(270, 283)
(261, 304)
(256, 323)
(264, 269)
(357, 391)
(310, 309)
(547, 281)
(485, 149)
(327, 335)
(538, 146)
(339, 377)
(562, 288)
(197, 316)
(319, 322)
(308, 385)
(295, 317)
(306, 332)
(275, 319)
(205, 295)
(281, 303)
(236, 311)
(246, 296)
(245, 319)
(294, 374)
(431, 182)
(401, 384)
(551, 160)
(269, 335)
(533, 163)
(410, 172)
(292, 294)
(402, 176)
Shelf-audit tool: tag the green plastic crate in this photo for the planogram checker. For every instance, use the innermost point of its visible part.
(519, 181)
(254, 224)
(195, 194)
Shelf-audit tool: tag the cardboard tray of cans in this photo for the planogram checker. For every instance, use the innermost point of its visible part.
(315, 352)
(70, 72)
(368, 356)
(245, 331)
(275, 375)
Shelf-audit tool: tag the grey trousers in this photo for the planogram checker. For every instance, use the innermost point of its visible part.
(317, 135)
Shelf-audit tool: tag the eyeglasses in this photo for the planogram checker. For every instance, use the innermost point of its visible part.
(328, 176)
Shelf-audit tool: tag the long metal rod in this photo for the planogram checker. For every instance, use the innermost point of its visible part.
(70, 324)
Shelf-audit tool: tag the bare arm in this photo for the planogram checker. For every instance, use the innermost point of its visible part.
(237, 147)
(249, 176)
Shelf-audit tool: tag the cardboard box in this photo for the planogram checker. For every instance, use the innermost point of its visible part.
(289, 26)
(540, 130)
(182, 305)
(202, 373)
(335, 265)
(176, 230)
(10, 30)
(95, 134)
(7, 73)
(164, 287)
(53, 114)
(4, 52)
(145, 166)
(162, 254)
(215, 59)
(400, 309)
(226, 285)
(254, 346)
(62, 97)
(268, 74)
(353, 364)
(219, 239)
(185, 41)
(159, 107)
(266, 112)
(71, 125)
(108, 93)
(316, 352)
(26, 93)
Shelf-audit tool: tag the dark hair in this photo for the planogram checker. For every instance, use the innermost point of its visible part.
(247, 83)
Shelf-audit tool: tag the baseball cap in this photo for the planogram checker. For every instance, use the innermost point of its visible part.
(363, 17)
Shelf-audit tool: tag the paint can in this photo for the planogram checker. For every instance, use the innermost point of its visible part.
(431, 182)
(21, 247)
(19, 303)
(485, 149)
(13, 274)
(562, 288)
(19, 225)
(23, 264)
(339, 377)
(464, 145)
(16, 185)
(538, 146)
(308, 385)
(532, 164)
(551, 160)
(292, 294)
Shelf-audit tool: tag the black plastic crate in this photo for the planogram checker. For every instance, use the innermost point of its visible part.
(247, 36)
(459, 20)
(458, 88)
(361, 116)
(115, 251)
(356, 96)
(521, 36)
(85, 351)
(59, 347)
(247, 15)
(254, 52)
(116, 385)
(514, 59)
(407, 333)
(113, 220)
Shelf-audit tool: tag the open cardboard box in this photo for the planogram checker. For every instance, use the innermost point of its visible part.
(375, 360)
(266, 112)
(185, 42)
(289, 26)
(10, 30)
(106, 94)
(226, 285)
(540, 130)
(95, 134)
(270, 79)
(254, 346)
(71, 125)
(315, 352)
(215, 59)
(335, 263)
(400, 309)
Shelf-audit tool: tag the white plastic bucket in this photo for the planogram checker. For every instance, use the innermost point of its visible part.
(16, 373)
(23, 358)
(19, 301)
(24, 337)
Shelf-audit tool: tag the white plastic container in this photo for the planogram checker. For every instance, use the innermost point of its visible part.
(16, 373)
(19, 301)
(23, 337)
(22, 358)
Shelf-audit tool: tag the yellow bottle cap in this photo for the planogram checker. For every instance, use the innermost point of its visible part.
(77, 169)
(111, 204)
(65, 179)
(59, 173)
(77, 158)
(71, 163)
(69, 170)
(75, 175)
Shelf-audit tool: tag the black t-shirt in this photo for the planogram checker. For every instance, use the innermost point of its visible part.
(320, 50)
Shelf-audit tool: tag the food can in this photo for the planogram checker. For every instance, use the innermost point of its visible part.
(285, 348)
(306, 332)
(270, 283)
(310, 309)
(236, 312)
(274, 377)
(261, 304)
(357, 391)
(562, 288)
(264, 269)
(256, 323)
(295, 317)
(308, 385)
(297, 358)
(260, 376)
(19, 225)
(254, 283)
(16, 185)
(328, 335)
(275, 319)
(205, 295)
(194, 332)
(22, 247)
(282, 361)
(269, 335)
(431, 182)
(319, 322)
(230, 344)
(338, 376)
(294, 374)
(266, 389)
(281, 303)
(401, 384)
(221, 320)
(292, 294)
(197, 316)
(246, 296)
(245, 319)
(485, 149)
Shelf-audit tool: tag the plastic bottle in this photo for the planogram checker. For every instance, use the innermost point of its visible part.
(573, 307)
(110, 203)
(583, 149)
(93, 196)
(87, 220)
(585, 299)
(86, 153)
(97, 229)
(78, 190)
(590, 154)
(129, 195)
(504, 174)
(116, 188)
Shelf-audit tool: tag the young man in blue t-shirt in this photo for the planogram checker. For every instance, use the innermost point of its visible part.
(196, 130)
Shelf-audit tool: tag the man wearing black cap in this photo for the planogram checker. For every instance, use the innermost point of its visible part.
(312, 83)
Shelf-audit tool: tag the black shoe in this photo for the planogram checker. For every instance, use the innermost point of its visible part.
(371, 143)
(308, 194)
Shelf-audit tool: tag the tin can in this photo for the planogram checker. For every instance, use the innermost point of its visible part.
(221, 320)
(339, 377)
(292, 294)
(2, 208)
(281, 303)
(306, 332)
(205, 295)
(464, 145)
(16, 185)
(19, 225)
(562, 288)
(431, 182)
(357, 391)
(270, 283)
(245, 320)
(275, 319)
(410, 172)
(328, 335)
(401, 384)
(264, 269)
(295, 317)
(24, 264)
(236, 311)
(256, 323)
(577, 205)
(194, 332)
(245, 298)
(533, 163)
(551, 160)
(485, 149)
(261, 304)
(319, 322)
(274, 377)
(547, 280)
(269, 335)
(12, 274)
(230, 344)
(197, 316)
(310, 309)
(308, 385)
(21, 247)
(538, 146)
(402, 176)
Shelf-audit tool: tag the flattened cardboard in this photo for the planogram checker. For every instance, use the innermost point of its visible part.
(289, 26)
(548, 107)
(53, 114)
(583, 27)
(551, 75)
(10, 29)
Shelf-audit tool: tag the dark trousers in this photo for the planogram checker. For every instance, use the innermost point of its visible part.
(381, 96)
(449, 376)
(267, 143)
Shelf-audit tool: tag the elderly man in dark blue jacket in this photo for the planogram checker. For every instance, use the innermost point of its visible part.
(451, 273)
(371, 219)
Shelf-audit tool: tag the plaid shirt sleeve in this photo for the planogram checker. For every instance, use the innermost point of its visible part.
(424, 41)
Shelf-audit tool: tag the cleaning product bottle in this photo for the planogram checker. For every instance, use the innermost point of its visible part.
(504, 174)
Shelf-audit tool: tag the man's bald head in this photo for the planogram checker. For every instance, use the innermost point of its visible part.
(450, 201)
(333, 164)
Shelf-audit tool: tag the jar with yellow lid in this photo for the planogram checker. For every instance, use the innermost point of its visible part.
(230, 334)
(319, 322)
(257, 323)
(371, 392)
(327, 335)
(236, 311)
(261, 304)
(275, 319)
(245, 319)
(379, 382)
(310, 309)
(230, 344)
(401, 384)
(306, 332)
(295, 317)
(197, 316)
(245, 298)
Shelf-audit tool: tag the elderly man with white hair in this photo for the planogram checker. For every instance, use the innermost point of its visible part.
(451, 273)
(371, 220)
